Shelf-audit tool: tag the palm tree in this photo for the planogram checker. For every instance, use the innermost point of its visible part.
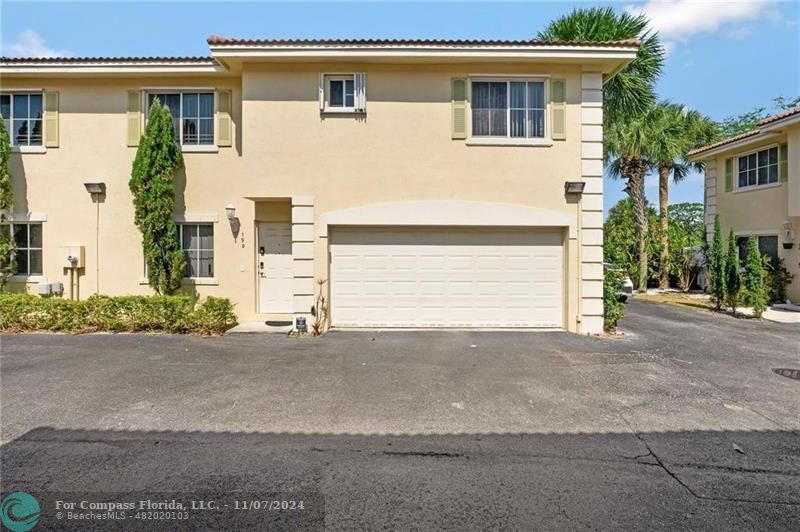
(674, 130)
(626, 153)
(626, 98)
(630, 92)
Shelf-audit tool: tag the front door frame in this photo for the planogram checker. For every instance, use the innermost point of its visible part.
(262, 304)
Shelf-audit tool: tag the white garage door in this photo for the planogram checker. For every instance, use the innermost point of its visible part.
(442, 277)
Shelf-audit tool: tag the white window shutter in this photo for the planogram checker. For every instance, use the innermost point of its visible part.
(360, 82)
(321, 91)
(357, 91)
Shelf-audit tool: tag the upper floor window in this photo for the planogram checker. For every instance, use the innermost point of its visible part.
(343, 93)
(22, 114)
(758, 168)
(510, 109)
(197, 242)
(192, 115)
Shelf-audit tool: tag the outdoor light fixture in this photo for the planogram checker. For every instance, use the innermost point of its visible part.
(95, 188)
(230, 213)
(789, 235)
(574, 187)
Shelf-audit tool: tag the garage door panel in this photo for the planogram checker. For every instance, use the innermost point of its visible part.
(437, 277)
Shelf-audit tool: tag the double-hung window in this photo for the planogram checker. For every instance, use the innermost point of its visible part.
(192, 115)
(197, 242)
(22, 114)
(508, 109)
(28, 247)
(758, 168)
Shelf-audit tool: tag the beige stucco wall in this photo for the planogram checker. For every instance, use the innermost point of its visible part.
(762, 210)
(283, 148)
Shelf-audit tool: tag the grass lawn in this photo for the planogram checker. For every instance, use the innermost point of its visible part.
(698, 301)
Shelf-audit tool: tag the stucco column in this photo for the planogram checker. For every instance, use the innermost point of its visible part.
(303, 255)
(591, 214)
(710, 198)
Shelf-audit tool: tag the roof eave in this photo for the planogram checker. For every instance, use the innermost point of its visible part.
(120, 67)
(781, 123)
(487, 52)
(731, 146)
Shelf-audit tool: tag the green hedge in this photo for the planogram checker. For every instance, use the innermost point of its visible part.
(175, 314)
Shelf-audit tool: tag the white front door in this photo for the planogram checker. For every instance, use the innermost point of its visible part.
(274, 267)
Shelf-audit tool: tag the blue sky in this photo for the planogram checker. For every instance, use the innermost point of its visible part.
(724, 57)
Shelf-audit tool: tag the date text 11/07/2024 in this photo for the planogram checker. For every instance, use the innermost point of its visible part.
(251, 505)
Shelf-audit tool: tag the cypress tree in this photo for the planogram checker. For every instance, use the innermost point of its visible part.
(755, 289)
(6, 205)
(157, 159)
(733, 279)
(716, 266)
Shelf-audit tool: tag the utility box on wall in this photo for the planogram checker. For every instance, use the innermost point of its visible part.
(73, 255)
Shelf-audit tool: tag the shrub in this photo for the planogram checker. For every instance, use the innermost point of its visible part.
(778, 278)
(733, 279)
(214, 316)
(613, 309)
(755, 289)
(175, 314)
(157, 160)
(716, 266)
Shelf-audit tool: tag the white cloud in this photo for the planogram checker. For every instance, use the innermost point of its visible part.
(678, 20)
(30, 44)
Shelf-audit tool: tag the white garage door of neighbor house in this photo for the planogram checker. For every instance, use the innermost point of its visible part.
(446, 277)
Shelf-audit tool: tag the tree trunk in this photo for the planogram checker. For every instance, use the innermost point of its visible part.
(637, 194)
(663, 213)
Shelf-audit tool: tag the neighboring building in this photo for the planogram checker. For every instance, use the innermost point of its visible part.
(424, 181)
(753, 184)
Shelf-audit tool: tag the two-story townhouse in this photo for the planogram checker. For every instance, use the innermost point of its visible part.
(414, 183)
(752, 182)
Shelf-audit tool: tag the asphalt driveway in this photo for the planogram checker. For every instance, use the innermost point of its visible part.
(680, 423)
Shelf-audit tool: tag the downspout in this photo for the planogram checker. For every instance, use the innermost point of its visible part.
(579, 242)
(97, 244)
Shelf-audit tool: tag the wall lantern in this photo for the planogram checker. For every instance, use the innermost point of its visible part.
(95, 188)
(574, 187)
(789, 235)
(230, 213)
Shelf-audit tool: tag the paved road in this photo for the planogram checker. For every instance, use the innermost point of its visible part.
(680, 423)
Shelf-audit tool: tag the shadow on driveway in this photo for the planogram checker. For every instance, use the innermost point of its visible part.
(455, 481)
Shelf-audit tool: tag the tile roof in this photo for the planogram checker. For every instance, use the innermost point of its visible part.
(101, 60)
(216, 40)
(723, 142)
(779, 116)
(768, 120)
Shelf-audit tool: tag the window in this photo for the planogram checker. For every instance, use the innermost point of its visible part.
(28, 243)
(758, 168)
(22, 114)
(767, 245)
(511, 109)
(341, 93)
(192, 115)
(197, 242)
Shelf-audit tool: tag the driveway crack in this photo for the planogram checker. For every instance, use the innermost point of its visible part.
(660, 463)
